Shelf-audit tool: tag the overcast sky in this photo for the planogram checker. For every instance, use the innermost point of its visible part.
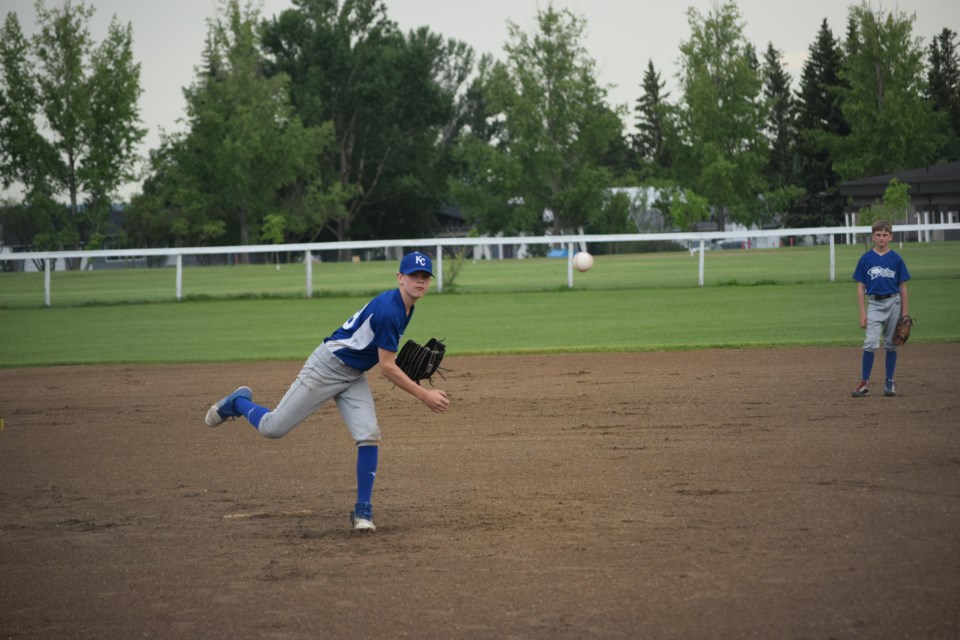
(622, 35)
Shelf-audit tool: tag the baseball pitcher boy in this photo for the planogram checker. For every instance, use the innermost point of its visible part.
(881, 276)
(337, 370)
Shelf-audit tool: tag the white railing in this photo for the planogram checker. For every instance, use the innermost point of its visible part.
(697, 241)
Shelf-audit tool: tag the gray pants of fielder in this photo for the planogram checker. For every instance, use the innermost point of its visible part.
(324, 376)
(882, 317)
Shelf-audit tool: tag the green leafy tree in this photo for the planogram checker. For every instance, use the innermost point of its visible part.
(943, 87)
(243, 145)
(272, 231)
(27, 159)
(62, 46)
(892, 127)
(819, 121)
(652, 123)
(114, 131)
(478, 117)
(390, 100)
(687, 208)
(557, 133)
(722, 149)
(613, 216)
(433, 72)
(86, 97)
(893, 207)
(89, 100)
(620, 159)
(174, 207)
(487, 178)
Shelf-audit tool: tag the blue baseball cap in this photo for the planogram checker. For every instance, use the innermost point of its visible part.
(416, 261)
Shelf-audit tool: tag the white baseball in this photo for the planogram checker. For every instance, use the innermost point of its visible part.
(582, 261)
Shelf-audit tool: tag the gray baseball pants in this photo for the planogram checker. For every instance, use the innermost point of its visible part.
(882, 317)
(324, 376)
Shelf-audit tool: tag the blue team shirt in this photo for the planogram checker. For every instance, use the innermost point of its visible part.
(881, 274)
(379, 325)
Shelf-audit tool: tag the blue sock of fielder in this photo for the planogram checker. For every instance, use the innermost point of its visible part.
(891, 364)
(367, 458)
(252, 412)
(867, 365)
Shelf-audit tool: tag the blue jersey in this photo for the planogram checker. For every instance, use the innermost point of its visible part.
(881, 274)
(379, 325)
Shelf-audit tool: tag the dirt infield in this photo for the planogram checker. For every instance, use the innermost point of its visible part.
(715, 494)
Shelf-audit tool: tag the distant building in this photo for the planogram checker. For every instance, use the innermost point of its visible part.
(934, 195)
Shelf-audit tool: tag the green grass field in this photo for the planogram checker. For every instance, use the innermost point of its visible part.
(756, 298)
(671, 270)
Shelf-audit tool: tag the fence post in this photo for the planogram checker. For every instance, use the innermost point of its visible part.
(701, 262)
(439, 273)
(308, 259)
(179, 277)
(46, 281)
(570, 265)
(833, 259)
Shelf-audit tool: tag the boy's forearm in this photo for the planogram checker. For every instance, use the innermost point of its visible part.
(395, 374)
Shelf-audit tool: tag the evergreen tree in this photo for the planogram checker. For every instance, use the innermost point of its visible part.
(819, 118)
(943, 87)
(781, 129)
(652, 115)
(781, 120)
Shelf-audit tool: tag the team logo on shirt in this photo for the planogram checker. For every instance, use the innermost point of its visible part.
(881, 272)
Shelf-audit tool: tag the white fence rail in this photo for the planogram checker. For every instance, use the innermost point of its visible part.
(696, 241)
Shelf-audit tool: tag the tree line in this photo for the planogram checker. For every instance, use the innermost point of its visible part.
(326, 122)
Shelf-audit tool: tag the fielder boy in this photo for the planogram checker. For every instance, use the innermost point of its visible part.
(881, 276)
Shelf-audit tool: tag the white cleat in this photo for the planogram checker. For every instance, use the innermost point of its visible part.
(362, 524)
(361, 518)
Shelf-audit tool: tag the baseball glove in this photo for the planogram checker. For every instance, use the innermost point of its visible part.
(902, 333)
(420, 362)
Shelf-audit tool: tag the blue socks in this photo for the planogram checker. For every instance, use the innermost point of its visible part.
(252, 412)
(867, 365)
(891, 364)
(367, 458)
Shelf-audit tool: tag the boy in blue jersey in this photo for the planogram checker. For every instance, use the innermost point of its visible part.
(337, 370)
(881, 276)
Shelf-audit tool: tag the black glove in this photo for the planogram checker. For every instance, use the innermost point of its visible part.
(420, 362)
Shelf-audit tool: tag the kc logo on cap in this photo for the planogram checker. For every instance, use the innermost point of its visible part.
(416, 261)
